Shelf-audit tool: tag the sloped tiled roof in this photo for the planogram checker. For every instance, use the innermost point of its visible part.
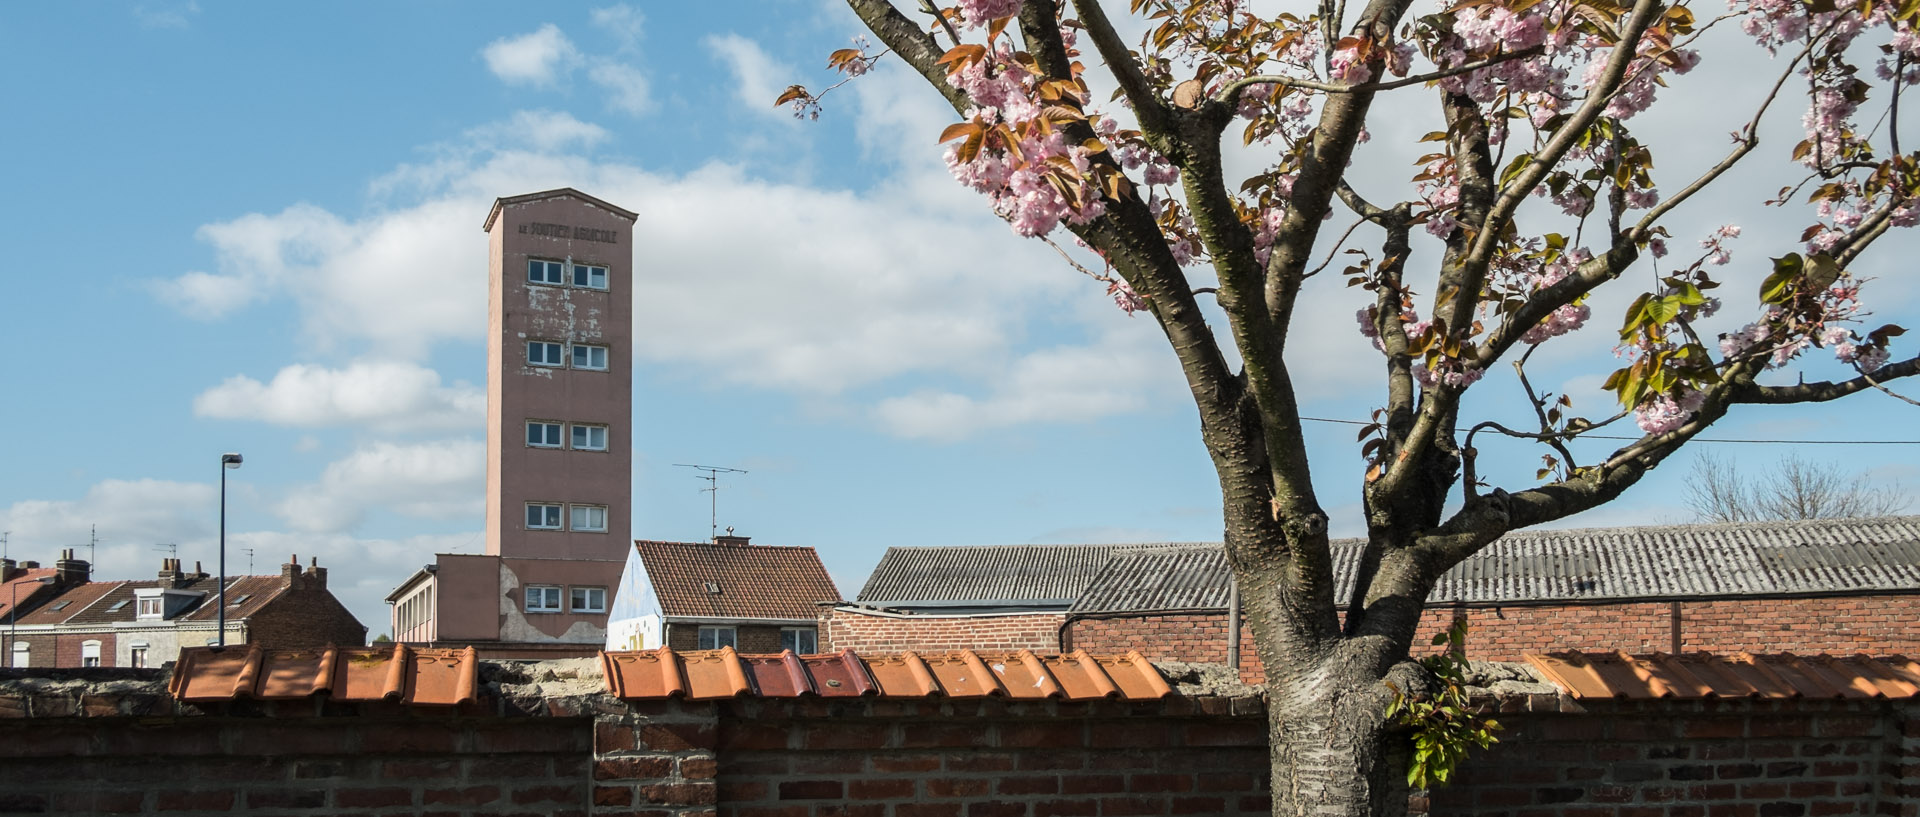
(96, 602)
(22, 586)
(722, 673)
(400, 673)
(1704, 675)
(753, 581)
(1595, 564)
(986, 573)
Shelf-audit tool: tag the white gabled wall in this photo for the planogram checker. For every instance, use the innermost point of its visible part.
(635, 622)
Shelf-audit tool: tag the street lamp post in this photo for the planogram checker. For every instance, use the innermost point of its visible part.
(13, 617)
(227, 462)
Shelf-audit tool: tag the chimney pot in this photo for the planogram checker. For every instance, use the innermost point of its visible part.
(8, 570)
(731, 539)
(30, 565)
(70, 571)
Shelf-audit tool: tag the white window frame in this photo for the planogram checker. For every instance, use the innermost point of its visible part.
(538, 597)
(574, 434)
(558, 349)
(137, 654)
(22, 657)
(549, 430)
(573, 518)
(595, 599)
(557, 268)
(796, 635)
(90, 653)
(558, 512)
(591, 271)
(589, 349)
(715, 636)
(150, 607)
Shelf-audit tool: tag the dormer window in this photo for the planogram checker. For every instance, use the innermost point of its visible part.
(159, 603)
(152, 607)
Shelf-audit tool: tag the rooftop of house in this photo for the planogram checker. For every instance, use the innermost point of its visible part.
(731, 579)
(110, 602)
(1835, 556)
(22, 583)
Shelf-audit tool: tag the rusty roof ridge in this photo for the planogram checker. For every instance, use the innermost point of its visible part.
(797, 673)
(395, 687)
(859, 672)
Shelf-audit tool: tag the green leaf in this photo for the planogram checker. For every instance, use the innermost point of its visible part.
(1786, 269)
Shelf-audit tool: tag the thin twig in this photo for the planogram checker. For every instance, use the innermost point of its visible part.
(1336, 249)
(928, 7)
(1231, 93)
(1890, 392)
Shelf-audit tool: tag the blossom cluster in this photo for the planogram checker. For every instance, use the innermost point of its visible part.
(1020, 181)
(1566, 318)
(1663, 412)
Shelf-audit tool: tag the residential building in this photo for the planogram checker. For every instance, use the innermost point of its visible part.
(559, 442)
(724, 593)
(1837, 586)
(82, 623)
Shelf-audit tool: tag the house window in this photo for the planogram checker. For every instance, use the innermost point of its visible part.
(545, 353)
(89, 653)
(589, 357)
(588, 599)
(22, 657)
(546, 272)
(541, 516)
(543, 598)
(591, 518)
(713, 638)
(137, 655)
(542, 434)
(799, 639)
(590, 438)
(151, 607)
(585, 275)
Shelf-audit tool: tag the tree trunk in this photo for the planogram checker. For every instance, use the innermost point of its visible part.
(1331, 749)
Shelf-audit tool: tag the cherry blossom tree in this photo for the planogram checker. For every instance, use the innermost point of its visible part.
(1535, 195)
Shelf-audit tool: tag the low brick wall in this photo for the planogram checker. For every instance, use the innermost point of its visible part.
(865, 633)
(545, 741)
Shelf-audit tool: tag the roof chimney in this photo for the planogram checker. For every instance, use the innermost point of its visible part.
(290, 572)
(30, 565)
(198, 573)
(8, 570)
(71, 571)
(729, 538)
(316, 576)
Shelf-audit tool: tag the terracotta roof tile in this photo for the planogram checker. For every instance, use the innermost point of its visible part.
(753, 581)
(22, 586)
(414, 676)
(1704, 675)
(722, 673)
(80, 598)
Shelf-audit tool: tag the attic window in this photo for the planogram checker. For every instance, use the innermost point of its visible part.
(118, 605)
(713, 588)
(237, 600)
(59, 605)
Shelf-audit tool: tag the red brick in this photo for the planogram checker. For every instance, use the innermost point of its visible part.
(547, 794)
(373, 798)
(894, 764)
(741, 791)
(194, 800)
(957, 787)
(1092, 783)
(997, 808)
(698, 768)
(1198, 805)
(612, 795)
(1159, 783)
(463, 796)
(735, 735)
(1122, 806)
(286, 799)
(811, 790)
(612, 737)
(680, 794)
(1227, 734)
(676, 737)
(1066, 808)
(643, 767)
(927, 810)
(411, 738)
(941, 735)
(1029, 785)
(846, 736)
(978, 762)
(1047, 735)
(892, 789)
(419, 769)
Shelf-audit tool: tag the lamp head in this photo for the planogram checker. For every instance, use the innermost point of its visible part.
(230, 460)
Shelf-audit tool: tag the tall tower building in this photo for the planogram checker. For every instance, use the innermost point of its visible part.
(559, 443)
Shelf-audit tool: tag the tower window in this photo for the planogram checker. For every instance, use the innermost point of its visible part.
(542, 434)
(545, 353)
(592, 277)
(542, 516)
(590, 438)
(588, 599)
(546, 272)
(589, 518)
(543, 598)
(589, 357)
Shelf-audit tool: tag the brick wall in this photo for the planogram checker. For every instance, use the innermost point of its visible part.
(305, 616)
(56, 649)
(110, 741)
(1874, 625)
(862, 633)
(748, 638)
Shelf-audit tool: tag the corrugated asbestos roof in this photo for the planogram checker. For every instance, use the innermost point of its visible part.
(1703, 675)
(400, 674)
(722, 673)
(987, 573)
(1749, 559)
(710, 580)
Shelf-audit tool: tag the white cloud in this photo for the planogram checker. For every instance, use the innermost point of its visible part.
(177, 16)
(1064, 384)
(435, 480)
(539, 58)
(757, 77)
(541, 131)
(623, 22)
(385, 395)
(626, 87)
(151, 509)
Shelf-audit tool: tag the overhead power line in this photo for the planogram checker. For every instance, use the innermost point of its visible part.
(1694, 440)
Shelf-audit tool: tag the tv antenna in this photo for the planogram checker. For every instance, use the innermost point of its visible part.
(173, 550)
(711, 473)
(249, 552)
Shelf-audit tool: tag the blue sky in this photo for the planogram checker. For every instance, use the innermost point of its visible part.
(255, 227)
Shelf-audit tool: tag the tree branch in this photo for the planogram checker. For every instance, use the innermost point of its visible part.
(1154, 115)
(1230, 95)
(1826, 390)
